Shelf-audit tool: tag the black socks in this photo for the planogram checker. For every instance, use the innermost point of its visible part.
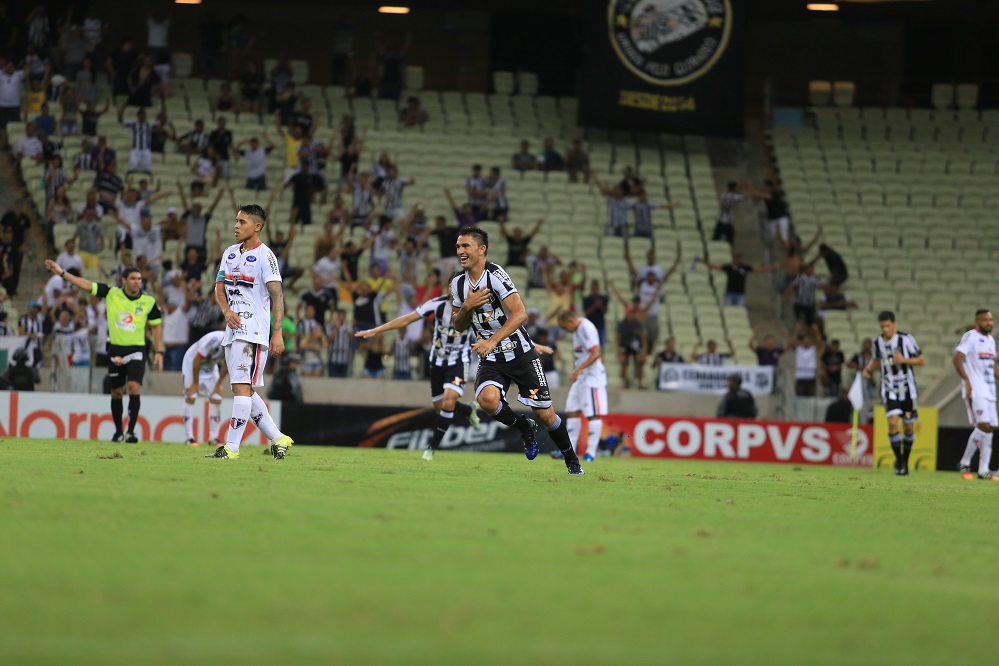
(133, 413)
(441, 424)
(116, 412)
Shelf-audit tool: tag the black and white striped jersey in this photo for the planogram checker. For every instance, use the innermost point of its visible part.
(402, 351)
(643, 215)
(448, 346)
(617, 212)
(898, 381)
(726, 206)
(361, 202)
(498, 189)
(478, 186)
(392, 191)
(142, 134)
(341, 340)
(805, 287)
(490, 317)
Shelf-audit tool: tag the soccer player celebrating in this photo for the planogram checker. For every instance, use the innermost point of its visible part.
(588, 392)
(248, 289)
(897, 353)
(129, 309)
(449, 353)
(975, 362)
(202, 378)
(489, 304)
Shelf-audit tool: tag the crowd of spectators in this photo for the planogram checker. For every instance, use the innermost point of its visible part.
(374, 244)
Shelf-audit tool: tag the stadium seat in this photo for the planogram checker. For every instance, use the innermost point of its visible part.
(843, 93)
(967, 95)
(527, 83)
(503, 83)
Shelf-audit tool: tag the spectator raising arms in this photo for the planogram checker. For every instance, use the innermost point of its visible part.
(711, 355)
(768, 353)
(517, 243)
(736, 272)
(630, 343)
(617, 207)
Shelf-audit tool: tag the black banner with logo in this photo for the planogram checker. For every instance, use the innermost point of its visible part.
(671, 66)
(396, 428)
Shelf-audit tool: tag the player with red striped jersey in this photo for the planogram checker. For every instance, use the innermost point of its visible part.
(588, 392)
(248, 289)
(975, 362)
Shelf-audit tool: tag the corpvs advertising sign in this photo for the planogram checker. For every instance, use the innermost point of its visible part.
(732, 439)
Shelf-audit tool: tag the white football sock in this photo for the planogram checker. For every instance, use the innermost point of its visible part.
(595, 428)
(262, 419)
(215, 419)
(189, 420)
(985, 453)
(573, 426)
(240, 415)
(973, 440)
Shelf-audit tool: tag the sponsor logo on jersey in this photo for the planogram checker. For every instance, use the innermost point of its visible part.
(251, 259)
(509, 345)
(232, 255)
(540, 372)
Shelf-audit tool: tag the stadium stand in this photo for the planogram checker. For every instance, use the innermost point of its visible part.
(673, 168)
(905, 195)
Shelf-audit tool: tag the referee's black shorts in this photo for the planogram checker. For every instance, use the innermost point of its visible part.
(122, 368)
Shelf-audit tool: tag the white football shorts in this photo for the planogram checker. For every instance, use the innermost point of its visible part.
(981, 410)
(591, 401)
(246, 361)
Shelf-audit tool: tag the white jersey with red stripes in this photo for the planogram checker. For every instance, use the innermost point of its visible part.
(979, 351)
(584, 339)
(245, 275)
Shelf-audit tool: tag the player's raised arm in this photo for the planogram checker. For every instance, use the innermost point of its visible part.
(75, 280)
(399, 322)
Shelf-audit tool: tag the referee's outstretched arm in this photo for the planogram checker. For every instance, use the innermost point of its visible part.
(75, 280)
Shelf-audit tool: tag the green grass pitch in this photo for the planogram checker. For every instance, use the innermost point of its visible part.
(345, 556)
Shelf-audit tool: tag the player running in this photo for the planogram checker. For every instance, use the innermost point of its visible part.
(202, 378)
(449, 353)
(975, 362)
(488, 303)
(129, 309)
(588, 392)
(248, 289)
(897, 353)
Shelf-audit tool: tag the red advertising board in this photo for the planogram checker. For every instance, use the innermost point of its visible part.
(732, 439)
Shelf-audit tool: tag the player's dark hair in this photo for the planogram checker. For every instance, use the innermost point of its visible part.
(128, 271)
(255, 210)
(481, 237)
(886, 315)
(979, 312)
